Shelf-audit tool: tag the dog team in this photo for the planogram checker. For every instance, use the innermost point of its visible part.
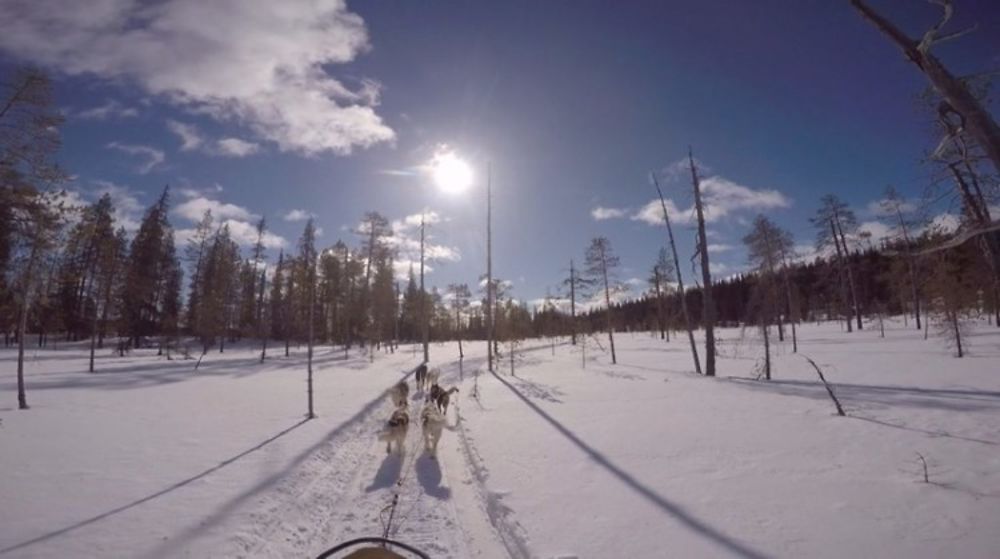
(432, 416)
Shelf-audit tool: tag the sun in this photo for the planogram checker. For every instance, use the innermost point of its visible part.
(451, 174)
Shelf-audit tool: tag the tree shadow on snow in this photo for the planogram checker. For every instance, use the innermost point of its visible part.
(884, 396)
(388, 473)
(674, 510)
(429, 474)
(151, 496)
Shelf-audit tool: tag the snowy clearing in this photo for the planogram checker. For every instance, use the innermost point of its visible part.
(150, 459)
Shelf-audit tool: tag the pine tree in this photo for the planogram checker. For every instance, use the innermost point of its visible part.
(148, 275)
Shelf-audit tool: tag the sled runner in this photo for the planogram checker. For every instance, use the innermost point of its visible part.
(379, 549)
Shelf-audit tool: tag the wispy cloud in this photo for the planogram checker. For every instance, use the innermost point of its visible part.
(192, 139)
(110, 109)
(719, 247)
(297, 215)
(152, 156)
(188, 133)
(601, 213)
(267, 68)
(235, 147)
(194, 208)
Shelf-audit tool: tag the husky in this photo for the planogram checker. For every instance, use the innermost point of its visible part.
(435, 392)
(421, 376)
(433, 423)
(395, 430)
(443, 398)
(432, 377)
(400, 393)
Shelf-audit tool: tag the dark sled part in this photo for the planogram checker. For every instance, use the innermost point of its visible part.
(380, 551)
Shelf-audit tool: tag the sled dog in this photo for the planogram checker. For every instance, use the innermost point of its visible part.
(395, 430)
(433, 423)
(399, 394)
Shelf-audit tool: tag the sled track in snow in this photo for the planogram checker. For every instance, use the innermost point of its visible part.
(341, 489)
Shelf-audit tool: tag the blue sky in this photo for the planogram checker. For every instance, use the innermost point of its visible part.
(260, 108)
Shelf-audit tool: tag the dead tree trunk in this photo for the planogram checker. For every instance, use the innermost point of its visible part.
(708, 304)
(978, 120)
(680, 278)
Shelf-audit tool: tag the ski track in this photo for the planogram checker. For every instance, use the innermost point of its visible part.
(341, 491)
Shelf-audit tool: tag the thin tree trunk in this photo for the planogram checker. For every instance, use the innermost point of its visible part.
(953, 318)
(572, 301)
(842, 272)
(680, 278)
(424, 317)
(767, 353)
(708, 304)
(309, 358)
(850, 274)
(607, 300)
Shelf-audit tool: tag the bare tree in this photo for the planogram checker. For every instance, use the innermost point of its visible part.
(680, 277)
(576, 285)
(601, 263)
(954, 92)
(708, 303)
(831, 220)
(28, 142)
(950, 297)
(662, 274)
(766, 244)
(893, 205)
(460, 295)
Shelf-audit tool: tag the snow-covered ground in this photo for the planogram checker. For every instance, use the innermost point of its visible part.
(641, 459)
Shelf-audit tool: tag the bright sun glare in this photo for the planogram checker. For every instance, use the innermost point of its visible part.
(451, 174)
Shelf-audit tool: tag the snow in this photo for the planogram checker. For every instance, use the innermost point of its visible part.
(149, 458)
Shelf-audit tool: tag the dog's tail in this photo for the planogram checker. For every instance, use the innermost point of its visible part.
(453, 390)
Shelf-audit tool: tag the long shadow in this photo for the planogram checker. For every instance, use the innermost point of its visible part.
(236, 502)
(388, 472)
(928, 398)
(670, 508)
(429, 474)
(151, 496)
(925, 431)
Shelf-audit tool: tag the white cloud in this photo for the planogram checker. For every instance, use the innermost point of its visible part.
(188, 133)
(245, 234)
(153, 157)
(721, 198)
(194, 208)
(192, 139)
(945, 223)
(235, 147)
(601, 213)
(876, 232)
(719, 247)
(652, 213)
(718, 268)
(297, 215)
(110, 109)
(259, 63)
